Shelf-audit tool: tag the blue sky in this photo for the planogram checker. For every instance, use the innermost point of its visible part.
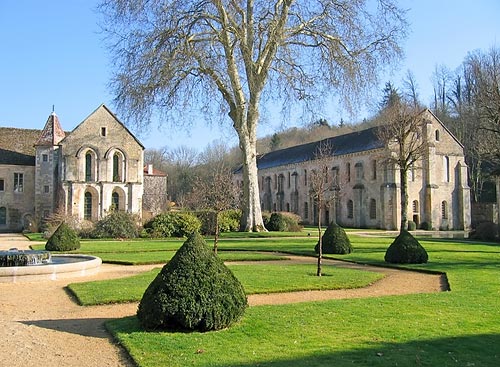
(52, 53)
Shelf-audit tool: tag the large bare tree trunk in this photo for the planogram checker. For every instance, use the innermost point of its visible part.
(404, 199)
(320, 241)
(251, 219)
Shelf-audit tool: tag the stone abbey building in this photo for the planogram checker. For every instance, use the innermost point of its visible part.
(85, 173)
(366, 190)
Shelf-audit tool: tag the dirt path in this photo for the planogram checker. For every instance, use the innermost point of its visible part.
(40, 325)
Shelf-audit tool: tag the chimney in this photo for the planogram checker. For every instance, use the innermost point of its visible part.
(150, 169)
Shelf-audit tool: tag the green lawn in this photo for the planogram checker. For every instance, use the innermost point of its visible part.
(457, 328)
(255, 279)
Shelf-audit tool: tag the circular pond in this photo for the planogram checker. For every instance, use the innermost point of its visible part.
(60, 266)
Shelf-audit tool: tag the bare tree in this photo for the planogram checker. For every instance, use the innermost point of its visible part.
(234, 55)
(410, 89)
(442, 79)
(216, 191)
(403, 135)
(485, 73)
(321, 189)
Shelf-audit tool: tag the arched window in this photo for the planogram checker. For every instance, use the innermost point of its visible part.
(415, 206)
(359, 171)
(281, 183)
(446, 167)
(3, 215)
(116, 167)
(437, 135)
(374, 169)
(373, 209)
(115, 201)
(444, 210)
(350, 209)
(87, 206)
(89, 167)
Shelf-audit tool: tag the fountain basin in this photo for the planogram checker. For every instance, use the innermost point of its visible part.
(61, 266)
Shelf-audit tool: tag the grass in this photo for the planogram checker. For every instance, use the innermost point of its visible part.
(255, 278)
(457, 328)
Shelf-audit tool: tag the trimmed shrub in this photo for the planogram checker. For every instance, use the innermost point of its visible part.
(412, 225)
(116, 224)
(335, 241)
(277, 223)
(406, 250)
(229, 221)
(173, 224)
(425, 226)
(194, 291)
(485, 231)
(266, 216)
(63, 239)
(283, 222)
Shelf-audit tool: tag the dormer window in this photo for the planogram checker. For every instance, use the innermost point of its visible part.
(103, 131)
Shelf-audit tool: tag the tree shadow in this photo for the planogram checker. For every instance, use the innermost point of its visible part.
(472, 350)
(91, 327)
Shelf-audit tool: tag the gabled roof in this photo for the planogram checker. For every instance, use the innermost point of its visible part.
(17, 146)
(103, 106)
(355, 142)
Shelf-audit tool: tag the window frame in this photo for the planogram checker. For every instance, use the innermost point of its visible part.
(18, 182)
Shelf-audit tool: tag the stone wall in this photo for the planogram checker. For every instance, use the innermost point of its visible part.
(19, 206)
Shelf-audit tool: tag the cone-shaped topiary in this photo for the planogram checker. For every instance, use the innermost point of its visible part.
(335, 241)
(406, 250)
(63, 239)
(194, 291)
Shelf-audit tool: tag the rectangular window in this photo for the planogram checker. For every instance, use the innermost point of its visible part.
(45, 157)
(103, 131)
(3, 215)
(335, 177)
(46, 189)
(18, 182)
(2, 185)
(305, 177)
(374, 169)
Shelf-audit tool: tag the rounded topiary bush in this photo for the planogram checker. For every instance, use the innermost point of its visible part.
(173, 224)
(194, 291)
(335, 241)
(282, 222)
(406, 250)
(117, 224)
(277, 223)
(64, 238)
(485, 231)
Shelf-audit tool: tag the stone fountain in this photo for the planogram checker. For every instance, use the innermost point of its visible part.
(32, 265)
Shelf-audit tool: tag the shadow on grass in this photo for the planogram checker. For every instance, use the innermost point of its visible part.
(475, 350)
(482, 350)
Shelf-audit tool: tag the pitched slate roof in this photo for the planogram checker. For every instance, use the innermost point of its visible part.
(17, 146)
(355, 142)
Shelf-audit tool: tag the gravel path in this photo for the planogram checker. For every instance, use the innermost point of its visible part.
(40, 325)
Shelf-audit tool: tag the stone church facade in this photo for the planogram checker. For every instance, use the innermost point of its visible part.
(85, 173)
(364, 190)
